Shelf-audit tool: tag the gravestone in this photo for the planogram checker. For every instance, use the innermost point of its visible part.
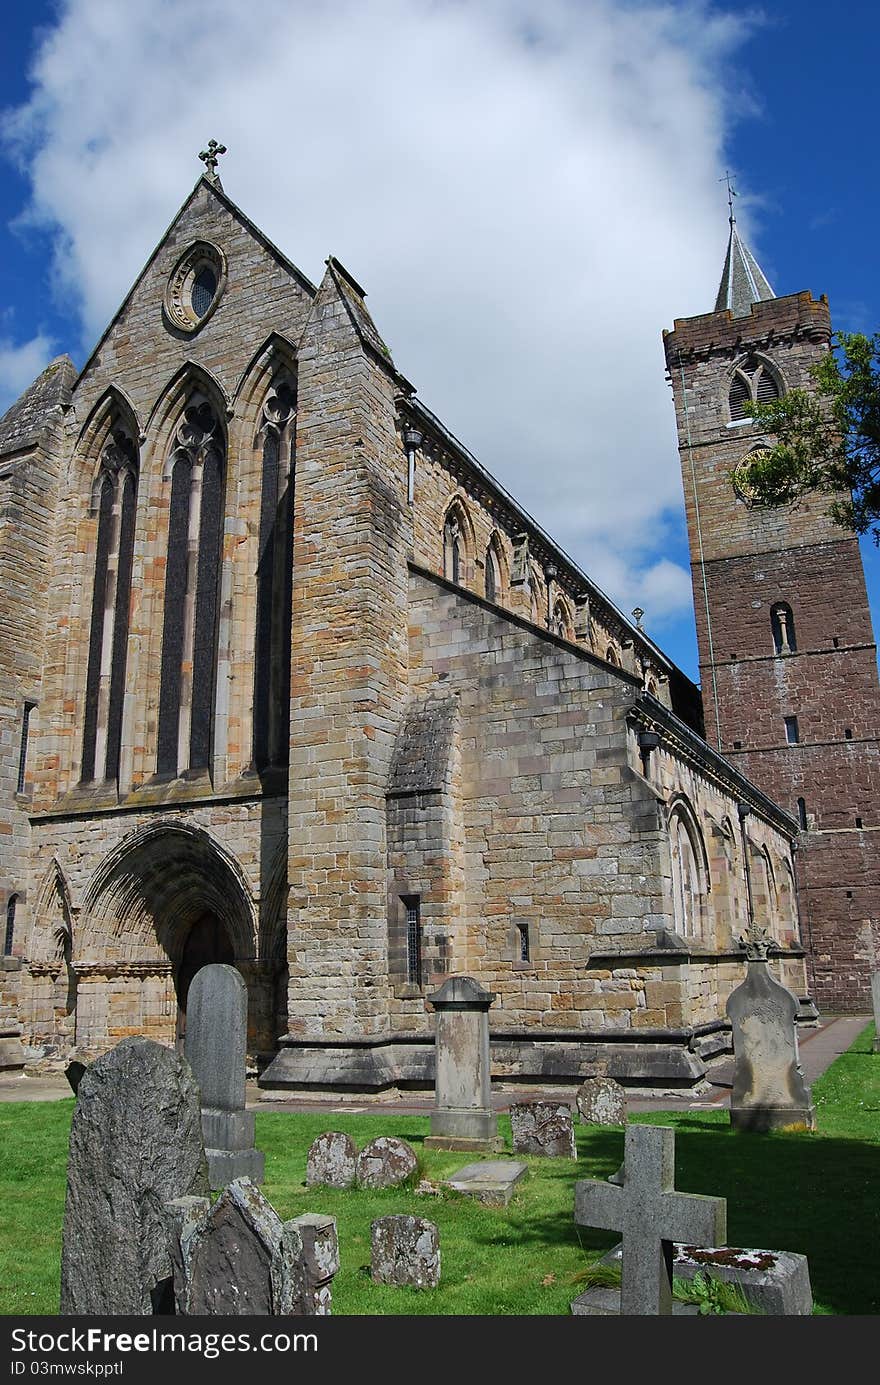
(405, 1250)
(462, 1117)
(492, 1181)
(769, 1090)
(776, 1282)
(320, 1260)
(385, 1162)
(875, 996)
(332, 1161)
(237, 1258)
(216, 1050)
(543, 1127)
(651, 1215)
(600, 1101)
(135, 1144)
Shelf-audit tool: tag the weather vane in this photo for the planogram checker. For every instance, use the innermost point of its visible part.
(731, 191)
(210, 156)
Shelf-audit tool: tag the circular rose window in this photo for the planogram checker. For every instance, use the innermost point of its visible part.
(195, 287)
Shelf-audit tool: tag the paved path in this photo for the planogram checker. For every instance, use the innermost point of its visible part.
(818, 1048)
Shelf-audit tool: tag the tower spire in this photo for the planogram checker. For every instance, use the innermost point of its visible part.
(743, 281)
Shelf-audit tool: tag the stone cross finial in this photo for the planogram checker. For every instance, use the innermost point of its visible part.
(210, 157)
(651, 1216)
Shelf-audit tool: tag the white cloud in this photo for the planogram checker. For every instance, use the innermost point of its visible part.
(527, 188)
(20, 364)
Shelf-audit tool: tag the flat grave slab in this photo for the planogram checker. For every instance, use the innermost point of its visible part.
(777, 1282)
(492, 1181)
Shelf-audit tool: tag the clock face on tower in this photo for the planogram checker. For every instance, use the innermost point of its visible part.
(741, 477)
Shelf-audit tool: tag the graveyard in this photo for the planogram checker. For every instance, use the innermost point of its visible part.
(808, 1192)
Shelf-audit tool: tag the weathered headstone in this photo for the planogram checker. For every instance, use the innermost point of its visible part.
(875, 996)
(135, 1144)
(651, 1215)
(492, 1181)
(216, 1050)
(332, 1161)
(320, 1260)
(543, 1127)
(385, 1162)
(462, 1117)
(769, 1089)
(405, 1250)
(237, 1258)
(600, 1101)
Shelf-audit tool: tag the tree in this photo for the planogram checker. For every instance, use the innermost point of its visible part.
(826, 440)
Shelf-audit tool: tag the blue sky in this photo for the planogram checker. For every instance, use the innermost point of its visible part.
(529, 192)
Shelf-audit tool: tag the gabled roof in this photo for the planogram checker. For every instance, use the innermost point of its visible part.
(24, 421)
(743, 281)
(353, 296)
(216, 188)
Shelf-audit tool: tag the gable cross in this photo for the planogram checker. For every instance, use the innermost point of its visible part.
(652, 1217)
(210, 157)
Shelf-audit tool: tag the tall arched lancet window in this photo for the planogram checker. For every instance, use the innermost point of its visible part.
(455, 545)
(114, 499)
(753, 382)
(561, 622)
(271, 735)
(494, 572)
(192, 585)
(688, 876)
(782, 626)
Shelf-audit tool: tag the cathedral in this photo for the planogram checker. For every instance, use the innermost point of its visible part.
(288, 680)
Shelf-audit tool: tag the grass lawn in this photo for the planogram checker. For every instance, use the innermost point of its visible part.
(811, 1193)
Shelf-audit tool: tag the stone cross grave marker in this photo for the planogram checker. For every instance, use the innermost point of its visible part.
(216, 1050)
(135, 1144)
(769, 1090)
(462, 1117)
(651, 1216)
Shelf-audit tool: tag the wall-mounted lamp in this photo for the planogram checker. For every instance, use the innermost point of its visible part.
(413, 439)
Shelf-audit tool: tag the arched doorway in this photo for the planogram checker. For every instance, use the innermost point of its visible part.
(206, 942)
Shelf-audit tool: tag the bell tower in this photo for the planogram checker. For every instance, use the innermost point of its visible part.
(788, 663)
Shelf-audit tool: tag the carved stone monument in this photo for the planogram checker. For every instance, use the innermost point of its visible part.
(135, 1144)
(237, 1258)
(769, 1090)
(652, 1216)
(462, 1117)
(216, 1050)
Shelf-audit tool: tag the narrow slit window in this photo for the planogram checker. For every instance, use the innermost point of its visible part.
(523, 938)
(23, 747)
(9, 939)
(413, 906)
(792, 731)
(802, 813)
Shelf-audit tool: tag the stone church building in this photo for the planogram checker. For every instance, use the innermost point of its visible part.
(288, 680)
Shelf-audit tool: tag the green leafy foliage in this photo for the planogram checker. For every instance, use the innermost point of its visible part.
(826, 440)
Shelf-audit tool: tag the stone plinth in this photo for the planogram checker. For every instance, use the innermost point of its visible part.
(769, 1090)
(216, 1044)
(462, 1117)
